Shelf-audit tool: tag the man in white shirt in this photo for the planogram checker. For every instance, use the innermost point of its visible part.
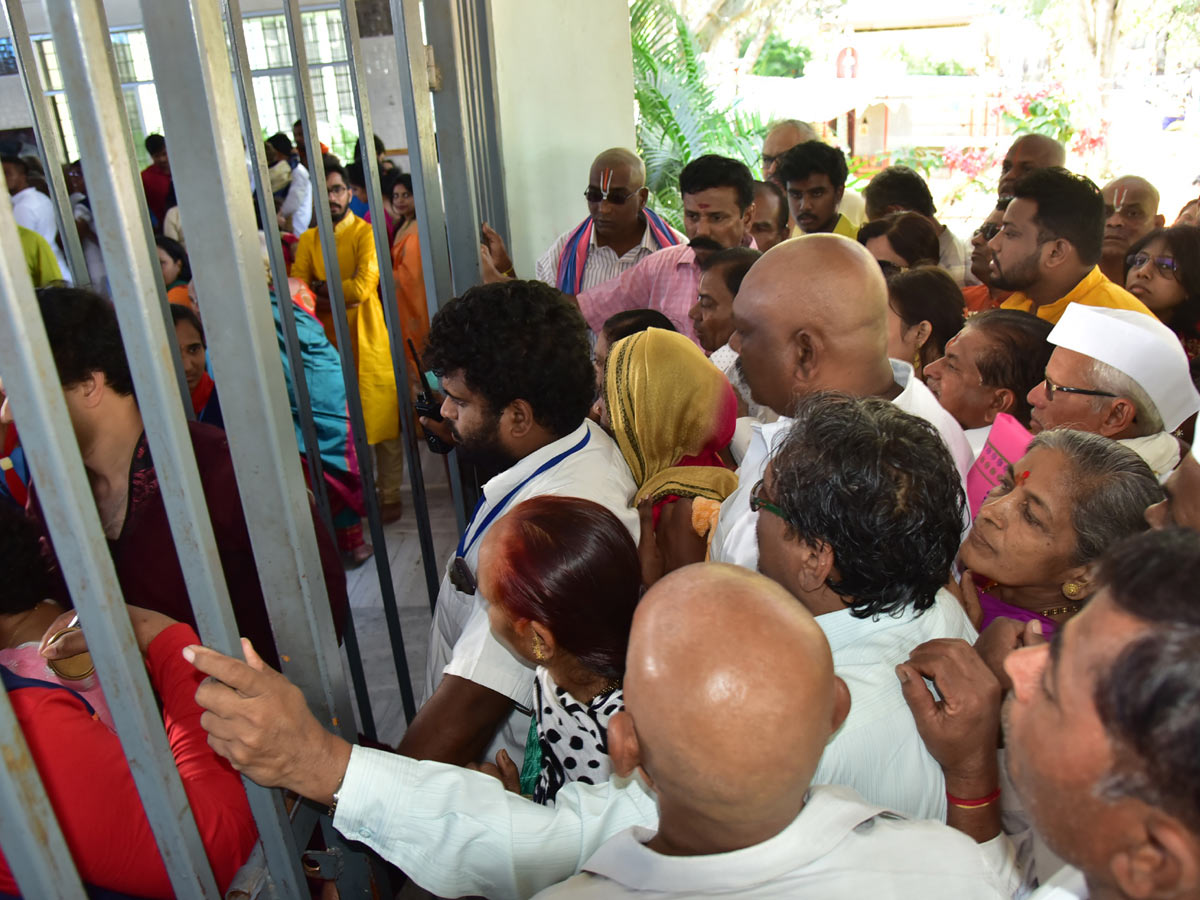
(34, 210)
(619, 232)
(1115, 792)
(738, 817)
(296, 209)
(860, 518)
(712, 319)
(503, 846)
(518, 380)
(989, 368)
(811, 315)
(1120, 374)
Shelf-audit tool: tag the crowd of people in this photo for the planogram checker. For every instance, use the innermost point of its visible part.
(821, 552)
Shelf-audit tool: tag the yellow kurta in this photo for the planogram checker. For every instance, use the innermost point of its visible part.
(842, 226)
(39, 258)
(364, 314)
(1094, 290)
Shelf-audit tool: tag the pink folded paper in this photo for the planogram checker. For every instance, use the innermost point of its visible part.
(1006, 443)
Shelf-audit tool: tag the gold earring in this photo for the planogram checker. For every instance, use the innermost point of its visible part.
(1071, 590)
(538, 653)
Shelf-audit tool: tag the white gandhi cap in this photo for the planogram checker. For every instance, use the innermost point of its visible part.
(1140, 346)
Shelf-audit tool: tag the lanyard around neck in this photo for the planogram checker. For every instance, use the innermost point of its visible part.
(464, 546)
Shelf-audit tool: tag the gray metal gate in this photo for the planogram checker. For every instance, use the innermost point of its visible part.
(202, 73)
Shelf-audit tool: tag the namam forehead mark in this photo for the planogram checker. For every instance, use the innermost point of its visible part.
(606, 176)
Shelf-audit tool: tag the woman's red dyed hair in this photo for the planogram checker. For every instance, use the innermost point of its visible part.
(570, 565)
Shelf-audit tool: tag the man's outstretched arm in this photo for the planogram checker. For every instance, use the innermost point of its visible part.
(455, 832)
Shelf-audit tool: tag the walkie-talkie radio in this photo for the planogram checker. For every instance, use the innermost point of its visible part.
(428, 407)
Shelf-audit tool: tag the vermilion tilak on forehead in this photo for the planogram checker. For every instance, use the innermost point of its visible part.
(605, 179)
(703, 205)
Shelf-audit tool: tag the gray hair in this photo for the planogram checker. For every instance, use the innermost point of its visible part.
(1107, 378)
(803, 127)
(1110, 485)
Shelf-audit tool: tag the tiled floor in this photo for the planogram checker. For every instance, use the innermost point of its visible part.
(412, 601)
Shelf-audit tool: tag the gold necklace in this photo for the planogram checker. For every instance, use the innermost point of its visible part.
(1060, 610)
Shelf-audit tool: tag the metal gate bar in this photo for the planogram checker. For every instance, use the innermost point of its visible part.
(33, 843)
(47, 139)
(391, 315)
(40, 411)
(244, 85)
(333, 280)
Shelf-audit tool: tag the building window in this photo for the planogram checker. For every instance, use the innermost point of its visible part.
(8, 58)
(270, 65)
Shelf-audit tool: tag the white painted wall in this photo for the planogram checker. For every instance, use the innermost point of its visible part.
(564, 84)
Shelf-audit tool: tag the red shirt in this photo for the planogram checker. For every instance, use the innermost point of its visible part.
(157, 185)
(91, 789)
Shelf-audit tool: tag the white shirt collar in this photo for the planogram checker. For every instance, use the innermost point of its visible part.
(829, 814)
(499, 485)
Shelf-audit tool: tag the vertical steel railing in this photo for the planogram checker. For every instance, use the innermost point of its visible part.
(40, 412)
(333, 280)
(266, 207)
(391, 315)
(47, 139)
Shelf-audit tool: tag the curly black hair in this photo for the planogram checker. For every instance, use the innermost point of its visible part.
(27, 583)
(714, 171)
(84, 337)
(880, 488)
(813, 158)
(517, 340)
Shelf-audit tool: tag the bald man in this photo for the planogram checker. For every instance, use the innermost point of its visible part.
(618, 233)
(1131, 213)
(1028, 152)
(811, 315)
(737, 816)
(731, 699)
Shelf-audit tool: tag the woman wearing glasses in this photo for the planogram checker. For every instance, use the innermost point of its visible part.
(1163, 271)
(1067, 500)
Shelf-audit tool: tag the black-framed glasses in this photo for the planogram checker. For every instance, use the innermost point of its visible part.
(1166, 266)
(616, 196)
(1052, 389)
(757, 502)
(987, 231)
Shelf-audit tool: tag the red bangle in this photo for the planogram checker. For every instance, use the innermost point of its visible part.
(977, 803)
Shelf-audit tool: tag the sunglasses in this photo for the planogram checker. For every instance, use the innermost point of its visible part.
(1052, 389)
(617, 196)
(987, 231)
(1164, 265)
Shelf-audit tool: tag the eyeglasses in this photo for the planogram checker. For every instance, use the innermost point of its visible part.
(757, 502)
(987, 231)
(1166, 266)
(336, 190)
(1052, 389)
(616, 196)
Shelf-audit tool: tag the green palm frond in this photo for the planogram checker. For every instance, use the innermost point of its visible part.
(678, 116)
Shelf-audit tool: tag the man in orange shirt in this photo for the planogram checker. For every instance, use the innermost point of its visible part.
(1049, 245)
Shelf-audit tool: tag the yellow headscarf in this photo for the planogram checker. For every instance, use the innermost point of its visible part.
(671, 411)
